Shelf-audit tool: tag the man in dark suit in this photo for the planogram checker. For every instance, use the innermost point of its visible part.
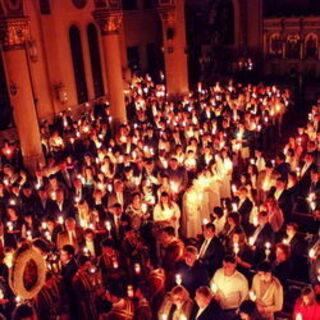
(91, 244)
(262, 236)
(41, 203)
(207, 307)
(245, 206)
(211, 251)
(68, 270)
(193, 273)
(173, 250)
(72, 235)
(118, 195)
(282, 166)
(306, 167)
(64, 175)
(60, 206)
(6, 239)
(118, 221)
(298, 249)
(284, 198)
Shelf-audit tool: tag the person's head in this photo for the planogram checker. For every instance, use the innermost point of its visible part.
(136, 199)
(179, 295)
(247, 310)
(265, 271)
(233, 219)
(173, 163)
(218, 212)
(308, 296)
(108, 247)
(59, 195)
(282, 252)
(66, 253)
(70, 224)
(164, 198)
(239, 237)
(292, 229)
(229, 265)
(243, 193)
(280, 183)
(167, 234)
(190, 256)
(118, 185)
(209, 231)
(84, 263)
(203, 296)
(88, 234)
(280, 158)
(116, 209)
(263, 218)
(23, 312)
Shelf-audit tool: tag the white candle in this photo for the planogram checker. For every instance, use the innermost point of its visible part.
(178, 279)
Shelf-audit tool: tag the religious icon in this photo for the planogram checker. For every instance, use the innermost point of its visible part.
(293, 47)
(311, 46)
(275, 45)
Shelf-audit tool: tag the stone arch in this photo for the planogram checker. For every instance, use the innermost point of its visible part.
(293, 46)
(275, 45)
(310, 45)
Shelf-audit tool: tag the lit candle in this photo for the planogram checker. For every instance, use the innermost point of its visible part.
(86, 251)
(312, 253)
(60, 220)
(130, 291)
(178, 279)
(10, 226)
(267, 250)
(234, 188)
(251, 241)
(205, 221)
(236, 248)
(144, 208)
(108, 225)
(12, 202)
(252, 296)
(137, 268)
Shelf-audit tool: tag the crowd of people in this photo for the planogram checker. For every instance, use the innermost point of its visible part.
(181, 213)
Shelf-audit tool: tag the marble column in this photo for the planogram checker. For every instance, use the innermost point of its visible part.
(109, 21)
(172, 14)
(14, 32)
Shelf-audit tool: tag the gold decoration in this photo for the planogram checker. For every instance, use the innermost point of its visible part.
(17, 274)
(14, 32)
(109, 21)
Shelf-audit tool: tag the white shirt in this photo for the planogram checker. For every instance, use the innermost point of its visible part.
(231, 289)
(90, 246)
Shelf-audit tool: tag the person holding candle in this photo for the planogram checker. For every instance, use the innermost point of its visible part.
(248, 311)
(244, 255)
(211, 251)
(193, 273)
(166, 212)
(268, 291)
(262, 235)
(173, 252)
(122, 308)
(176, 305)
(306, 306)
(68, 270)
(232, 287)
(72, 235)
